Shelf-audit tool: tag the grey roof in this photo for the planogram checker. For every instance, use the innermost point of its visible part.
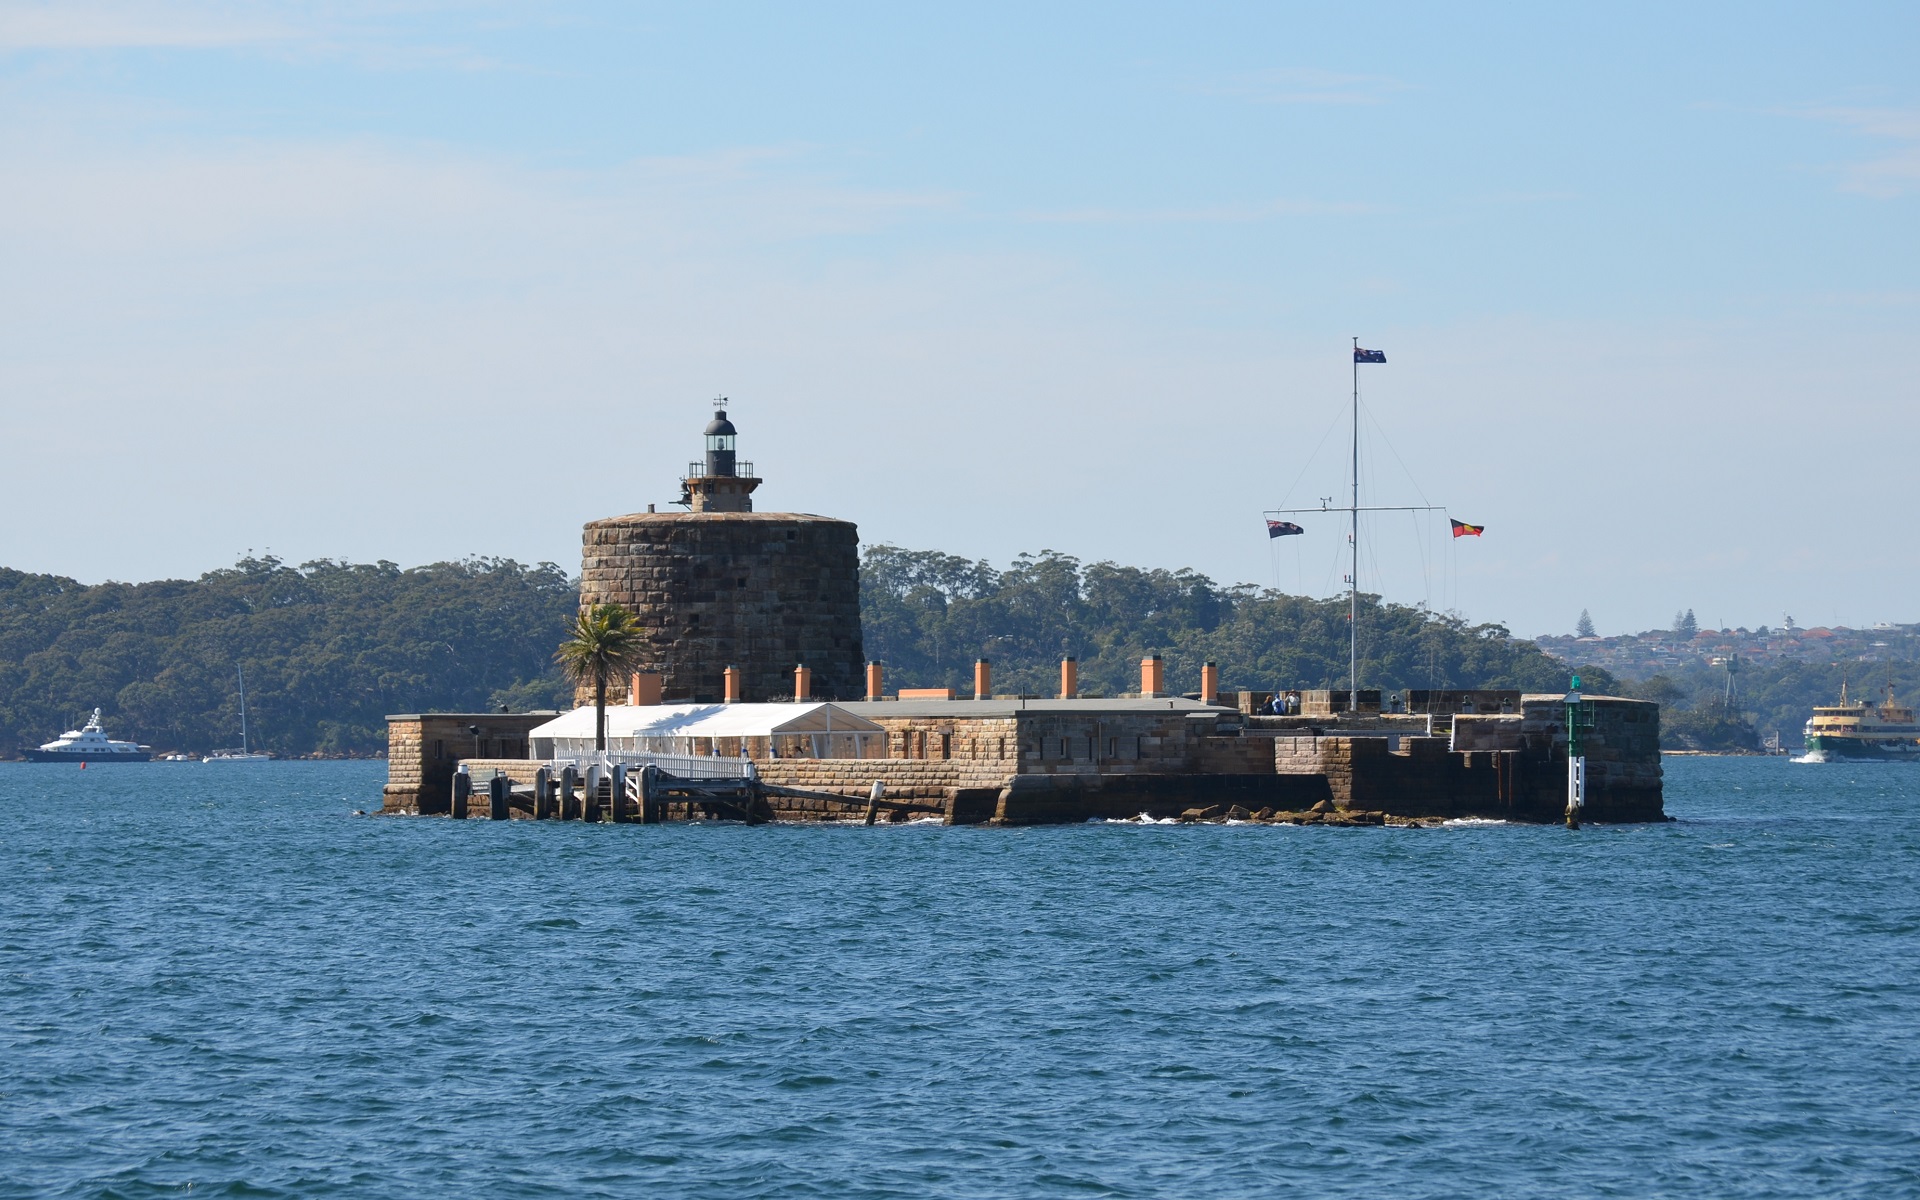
(1536, 697)
(538, 713)
(876, 710)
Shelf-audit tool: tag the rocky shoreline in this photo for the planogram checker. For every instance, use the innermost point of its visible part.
(1323, 813)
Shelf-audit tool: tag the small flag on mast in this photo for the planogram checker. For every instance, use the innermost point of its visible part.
(1282, 529)
(1369, 356)
(1462, 529)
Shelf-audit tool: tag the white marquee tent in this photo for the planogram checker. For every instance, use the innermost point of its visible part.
(816, 730)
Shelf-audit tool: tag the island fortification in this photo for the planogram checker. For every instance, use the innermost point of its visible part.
(721, 586)
(750, 702)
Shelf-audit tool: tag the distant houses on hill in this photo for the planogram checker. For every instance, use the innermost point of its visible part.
(1637, 656)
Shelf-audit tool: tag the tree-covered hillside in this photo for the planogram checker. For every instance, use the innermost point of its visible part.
(928, 616)
(329, 649)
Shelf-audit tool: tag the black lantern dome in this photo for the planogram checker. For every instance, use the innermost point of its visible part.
(720, 442)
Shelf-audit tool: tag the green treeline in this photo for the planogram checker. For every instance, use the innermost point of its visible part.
(330, 648)
(928, 616)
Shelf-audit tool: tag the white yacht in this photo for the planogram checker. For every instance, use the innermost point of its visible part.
(243, 754)
(89, 743)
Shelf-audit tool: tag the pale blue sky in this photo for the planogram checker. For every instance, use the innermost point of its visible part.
(1003, 278)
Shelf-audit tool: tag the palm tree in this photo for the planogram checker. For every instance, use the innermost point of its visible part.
(605, 640)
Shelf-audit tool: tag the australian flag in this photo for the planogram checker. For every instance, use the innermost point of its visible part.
(1282, 528)
(1361, 356)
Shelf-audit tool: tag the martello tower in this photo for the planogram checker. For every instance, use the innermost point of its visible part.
(723, 586)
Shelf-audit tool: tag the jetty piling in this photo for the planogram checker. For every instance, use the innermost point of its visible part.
(617, 796)
(648, 781)
(499, 796)
(590, 797)
(542, 794)
(462, 792)
(569, 779)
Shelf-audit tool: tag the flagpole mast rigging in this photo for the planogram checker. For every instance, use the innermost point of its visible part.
(1353, 543)
(1285, 528)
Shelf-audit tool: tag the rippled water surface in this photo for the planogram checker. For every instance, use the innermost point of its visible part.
(217, 978)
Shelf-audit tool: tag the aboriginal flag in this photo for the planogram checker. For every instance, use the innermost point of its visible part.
(1361, 356)
(1282, 528)
(1462, 529)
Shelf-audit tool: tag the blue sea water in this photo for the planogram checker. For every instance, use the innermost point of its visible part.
(218, 981)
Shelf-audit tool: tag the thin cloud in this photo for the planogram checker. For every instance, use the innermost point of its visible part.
(1307, 86)
(1893, 173)
(1215, 214)
(361, 34)
(82, 26)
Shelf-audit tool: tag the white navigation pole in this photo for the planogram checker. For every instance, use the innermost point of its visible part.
(1577, 716)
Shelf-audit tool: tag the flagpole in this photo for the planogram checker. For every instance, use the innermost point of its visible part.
(1353, 541)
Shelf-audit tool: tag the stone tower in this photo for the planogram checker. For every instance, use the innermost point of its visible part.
(721, 585)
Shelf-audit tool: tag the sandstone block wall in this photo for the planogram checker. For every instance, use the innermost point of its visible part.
(1422, 778)
(761, 591)
(971, 739)
(1498, 766)
(905, 779)
(1070, 744)
(1107, 744)
(1235, 755)
(423, 749)
(1622, 749)
(1059, 799)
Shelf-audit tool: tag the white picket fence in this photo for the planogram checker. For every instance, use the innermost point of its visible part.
(686, 766)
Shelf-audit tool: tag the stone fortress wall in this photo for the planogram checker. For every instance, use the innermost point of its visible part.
(765, 592)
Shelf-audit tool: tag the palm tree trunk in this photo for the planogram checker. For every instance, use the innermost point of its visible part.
(600, 710)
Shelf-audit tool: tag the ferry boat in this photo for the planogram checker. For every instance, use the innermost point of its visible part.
(89, 743)
(1853, 730)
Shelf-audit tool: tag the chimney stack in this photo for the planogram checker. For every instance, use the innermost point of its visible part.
(874, 691)
(982, 679)
(733, 685)
(1153, 678)
(803, 683)
(1069, 678)
(644, 688)
(1209, 684)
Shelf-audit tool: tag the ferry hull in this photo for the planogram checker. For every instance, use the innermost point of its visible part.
(1842, 749)
(88, 756)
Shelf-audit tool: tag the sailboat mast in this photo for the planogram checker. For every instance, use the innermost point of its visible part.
(1353, 544)
(243, 706)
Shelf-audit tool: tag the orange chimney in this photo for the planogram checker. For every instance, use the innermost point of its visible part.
(644, 688)
(1153, 679)
(1209, 684)
(803, 683)
(982, 679)
(1069, 678)
(873, 680)
(733, 685)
